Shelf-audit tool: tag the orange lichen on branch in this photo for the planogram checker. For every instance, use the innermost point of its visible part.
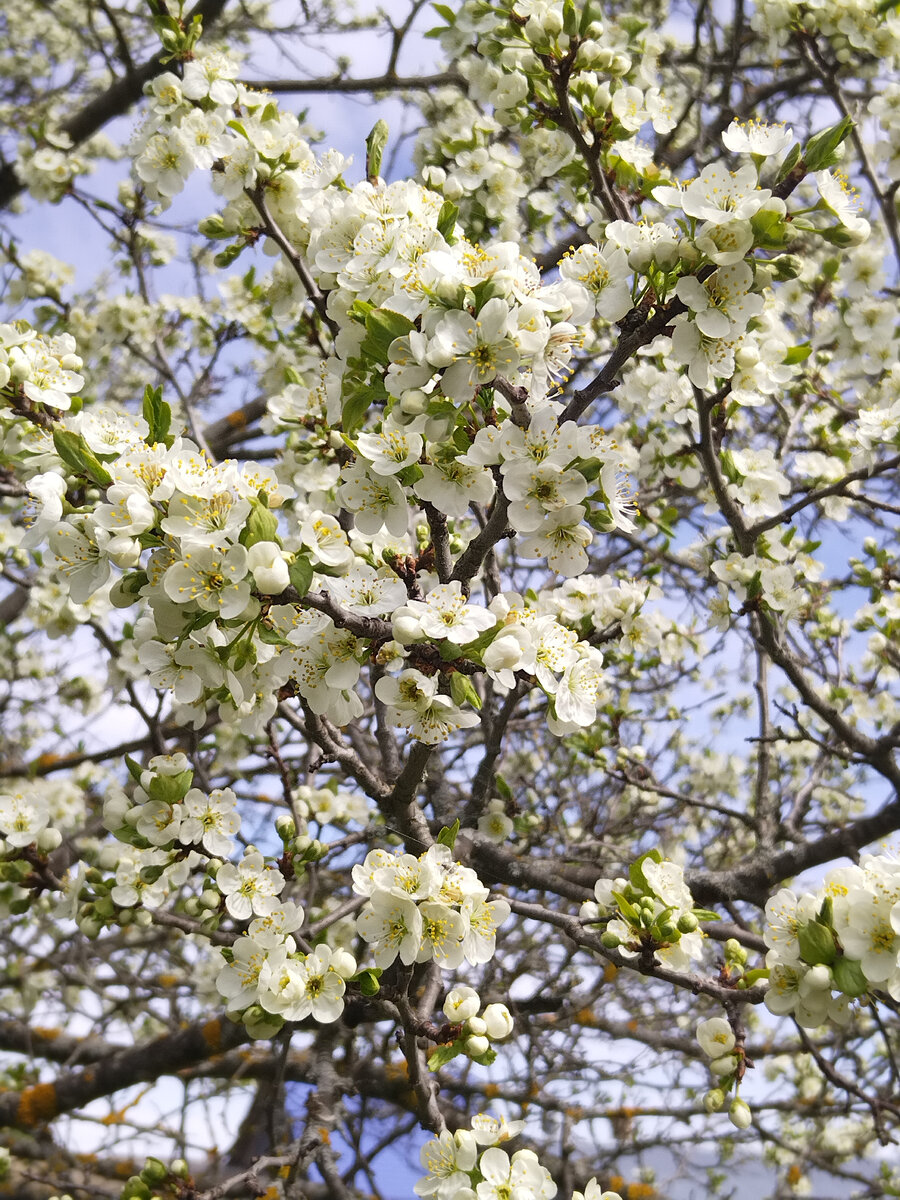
(586, 1016)
(237, 419)
(117, 1117)
(610, 971)
(491, 1090)
(640, 1191)
(211, 1032)
(47, 1033)
(36, 1105)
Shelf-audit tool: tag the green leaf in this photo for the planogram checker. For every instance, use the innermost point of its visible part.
(626, 908)
(355, 405)
(755, 976)
(502, 788)
(300, 573)
(486, 1059)
(446, 221)
(135, 769)
(375, 144)
(820, 151)
(444, 1054)
(447, 836)
(271, 637)
(706, 914)
(797, 354)
(790, 161)
(849, 977)
(383, 327)
(75, 453)
(158, 416)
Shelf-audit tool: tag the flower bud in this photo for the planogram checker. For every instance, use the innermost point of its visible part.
(610, 940)
(48, 840)
(154, 1171)
(499, 1022)
(739, 1113)
(462, 1003)
(270, 571)
(260, 1024)
(734, 951)
(285, 827)
(724, 1065)
(687, 923)
(476, 1026)
(405, 627)
(343, 963)
(713, 1100)
(476, 1046)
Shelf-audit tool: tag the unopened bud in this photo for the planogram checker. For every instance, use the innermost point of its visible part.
(739, 1114)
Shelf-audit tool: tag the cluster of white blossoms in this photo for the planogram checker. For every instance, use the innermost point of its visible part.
(836, 944)
(266, 981)
(426, 907)
(858, 31)
(164, 809)
(459, 1169)
(717, 1041)
(653, 909)
(42, 370)
(479, 1028)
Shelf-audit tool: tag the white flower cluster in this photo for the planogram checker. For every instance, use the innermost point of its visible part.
(458, 1168)
(777, 577)
(717, 1041)
(43, 369)
(267, 982)
(654, 908)
(834, 945)
(426, 908)
(855, 29)
(164, 809)
(462, 1007)
(47, 164)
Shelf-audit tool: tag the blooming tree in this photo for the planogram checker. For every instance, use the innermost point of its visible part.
(450, 626)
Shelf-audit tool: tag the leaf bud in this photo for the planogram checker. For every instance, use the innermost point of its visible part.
(816, 943)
